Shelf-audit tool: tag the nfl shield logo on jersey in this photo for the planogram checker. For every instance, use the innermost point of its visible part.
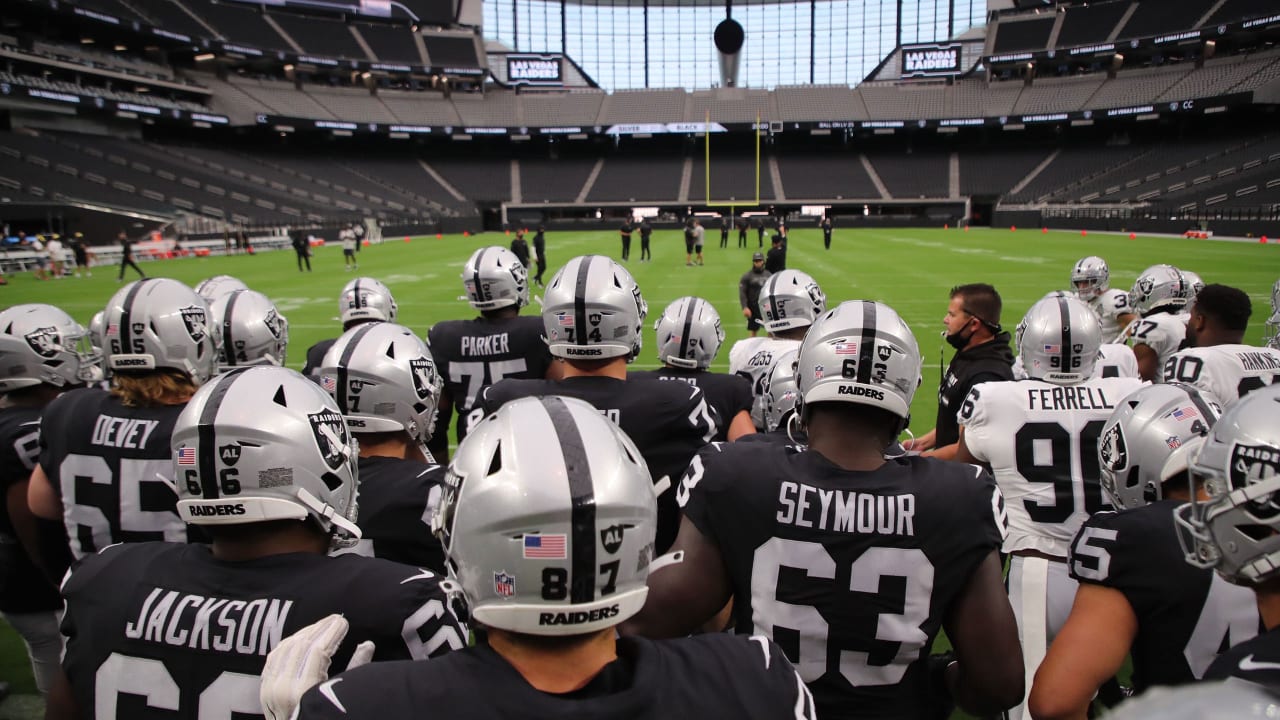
(504, 584)
(330, 432)
(194, 318)
(42, 341)
(421, 368)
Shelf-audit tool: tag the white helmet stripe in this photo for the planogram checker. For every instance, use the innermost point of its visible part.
(206, 438)
(582, 575)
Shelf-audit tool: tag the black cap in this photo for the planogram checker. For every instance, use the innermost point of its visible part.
(757, 256)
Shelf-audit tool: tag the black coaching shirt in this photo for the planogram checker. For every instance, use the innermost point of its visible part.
(160, 630)
(474, 354)
(668, 421)
(851, 573)
(1186, 615)
(396, 499)
(112, 468)
(728, 394)
(708, 677)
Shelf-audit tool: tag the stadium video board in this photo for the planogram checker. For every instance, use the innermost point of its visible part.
(540, 70)
(930, 60)
(431, 12)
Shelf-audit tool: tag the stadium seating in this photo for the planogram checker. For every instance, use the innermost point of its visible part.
(639, 179)
(838, 176)
(1089, 24)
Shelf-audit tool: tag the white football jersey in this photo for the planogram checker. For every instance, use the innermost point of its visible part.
(1109, 305)
(1041, 441)
(752, 358)
(1114, 360)
(1228, 372)
(1162, 332)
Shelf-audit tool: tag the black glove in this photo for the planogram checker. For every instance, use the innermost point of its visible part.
(941, 704)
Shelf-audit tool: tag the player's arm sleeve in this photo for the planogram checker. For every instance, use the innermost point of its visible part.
(785, 689)
(1099, 555)
(337, 699)
(704, 421)
(991, 508)
(742, 398)
(975, 417)
(742, 291)
(698, 488)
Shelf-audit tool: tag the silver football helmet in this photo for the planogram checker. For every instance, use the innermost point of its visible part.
(264, 443)
(41, 344)
(250, 329)
(689, 333)
(493, 278)
(215, 287)
(1237, 529)
(1090, 277)
(1159, 287)
(790, 299)
(548, 519)
(860, 352)
(160, 323)
(1058, 341)
(593, 310)
(780, 391)
(1150, 438)
(1193, 282)
(365, 300)
(383, 379)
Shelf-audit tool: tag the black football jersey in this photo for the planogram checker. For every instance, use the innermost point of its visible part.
(111, 466)
(396, 498)
(1256, 660)
(669, 422)
(851, 573)
(728, 394)
(315, 357)
(23, 588)
(1186, 616)
(709, 677)
(796, 440)
(474, 354)
(162, 630)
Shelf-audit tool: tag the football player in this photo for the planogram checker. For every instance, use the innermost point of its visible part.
(781, 396)
(1158, 295)
(1233, 530)
(1137, 595)
(982, 355)
(212, 288)
(1114, 359)
(363, 300)
(385, 384)
(689, 337)
(43, 352)
(851, 562)
(182, 630)
(593, 316)
(1039, 437)
(104, 463)
(1217, 361)
(474, 354)
(251, 331)
(549, 524)
(790, 302)
(1091, 280)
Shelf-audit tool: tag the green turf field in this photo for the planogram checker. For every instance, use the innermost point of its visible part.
(910, 269)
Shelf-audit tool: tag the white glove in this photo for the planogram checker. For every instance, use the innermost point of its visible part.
(301, 661)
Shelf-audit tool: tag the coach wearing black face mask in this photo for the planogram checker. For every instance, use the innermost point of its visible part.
(983, 355)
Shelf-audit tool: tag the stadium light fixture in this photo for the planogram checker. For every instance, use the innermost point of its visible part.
(206, 57)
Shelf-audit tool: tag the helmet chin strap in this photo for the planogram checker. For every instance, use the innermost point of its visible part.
(327, 512)
(793, 423)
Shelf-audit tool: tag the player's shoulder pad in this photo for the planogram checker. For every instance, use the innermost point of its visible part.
(120, 565)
